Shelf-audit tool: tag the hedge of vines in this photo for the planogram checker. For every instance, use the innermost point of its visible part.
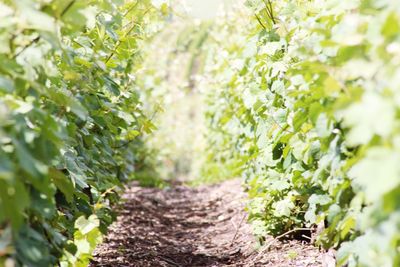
(69, 119)
(172, 63)
(305, 101)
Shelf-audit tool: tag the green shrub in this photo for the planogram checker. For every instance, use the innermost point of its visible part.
(307, 96)
(69, 117)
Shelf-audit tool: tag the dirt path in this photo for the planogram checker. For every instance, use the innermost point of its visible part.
(184, 226)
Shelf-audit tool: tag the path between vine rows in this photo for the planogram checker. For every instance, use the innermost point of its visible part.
(183, 226)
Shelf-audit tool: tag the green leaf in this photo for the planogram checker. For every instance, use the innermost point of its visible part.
(319, 200)
(32, 166)
(32, 248)
(14, 199)
(35, 19)
(63, 183)
(323, 126)
(283, 208)
(373, 115)
(391, 27)
(378, 173)
(78, 109)
(331, 85)
(6, 85)
(131, 135)
(299, 119)
(87, 225)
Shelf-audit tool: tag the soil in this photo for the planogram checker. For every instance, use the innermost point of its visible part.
(184, 226)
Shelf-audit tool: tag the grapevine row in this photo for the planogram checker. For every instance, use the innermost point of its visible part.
(304, 103)
(70, 118)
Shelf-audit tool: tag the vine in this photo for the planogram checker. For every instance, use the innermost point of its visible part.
(70, 123)
(306, 105)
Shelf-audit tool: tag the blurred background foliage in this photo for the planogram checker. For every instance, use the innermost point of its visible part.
(174, 99)
(176, 94)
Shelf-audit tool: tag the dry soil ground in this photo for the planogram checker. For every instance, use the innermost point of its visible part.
(183, 226)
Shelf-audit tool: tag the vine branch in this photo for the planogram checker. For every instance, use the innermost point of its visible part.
(260, 22)
(68, 7)
(126, 34)
(270, 10)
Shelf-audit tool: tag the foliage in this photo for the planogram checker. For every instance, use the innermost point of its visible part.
(223, 158)
(304, 102)
(70, 116)
(174, 99)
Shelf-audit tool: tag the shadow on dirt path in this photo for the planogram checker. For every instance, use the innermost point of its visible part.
(184, 226)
